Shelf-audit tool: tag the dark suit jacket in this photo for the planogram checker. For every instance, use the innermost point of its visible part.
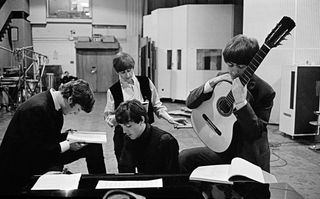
(250, 139)
(31, 142)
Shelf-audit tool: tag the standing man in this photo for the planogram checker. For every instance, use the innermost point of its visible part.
(131, 87)
(252, 108)
(33, 143)
(147, 149)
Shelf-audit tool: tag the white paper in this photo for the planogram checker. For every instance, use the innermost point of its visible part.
(212, 173)
(109, 184)
(88, 137)
(57, 182)
(145, 104)
(242, 167)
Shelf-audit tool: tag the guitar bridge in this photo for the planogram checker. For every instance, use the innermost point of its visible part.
(211, 125)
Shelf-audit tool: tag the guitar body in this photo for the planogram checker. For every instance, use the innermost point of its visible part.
(217, 137)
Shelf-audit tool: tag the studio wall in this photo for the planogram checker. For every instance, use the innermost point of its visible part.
(52, 37)
(301, 47)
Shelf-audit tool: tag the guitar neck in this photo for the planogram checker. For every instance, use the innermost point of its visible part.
(249, 71)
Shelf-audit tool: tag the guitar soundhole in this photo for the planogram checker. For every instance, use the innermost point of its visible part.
(223, 107)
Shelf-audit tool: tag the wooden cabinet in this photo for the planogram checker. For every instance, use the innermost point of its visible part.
(95, 64)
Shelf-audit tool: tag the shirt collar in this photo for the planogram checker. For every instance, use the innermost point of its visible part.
(57, 99)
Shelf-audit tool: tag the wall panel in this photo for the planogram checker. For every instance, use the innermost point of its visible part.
(301, 47)
(308, 24)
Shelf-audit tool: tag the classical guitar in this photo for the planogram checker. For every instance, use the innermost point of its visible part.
(213, 119)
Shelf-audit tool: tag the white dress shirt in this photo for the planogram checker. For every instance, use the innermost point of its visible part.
(132, 91)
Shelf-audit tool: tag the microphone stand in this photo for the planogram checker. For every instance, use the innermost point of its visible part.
(6, 49)
(37, 58)
(44, 60)
(18, 84)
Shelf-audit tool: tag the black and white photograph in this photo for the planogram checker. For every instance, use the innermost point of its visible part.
(203, 99)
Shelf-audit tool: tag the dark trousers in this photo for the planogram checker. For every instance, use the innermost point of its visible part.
(190, 159)
(251, 190)
(93, 153)
(118, 140)
(13, 180)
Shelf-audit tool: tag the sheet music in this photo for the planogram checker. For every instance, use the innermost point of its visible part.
(109, 184)
(87, 137)
(57, 182)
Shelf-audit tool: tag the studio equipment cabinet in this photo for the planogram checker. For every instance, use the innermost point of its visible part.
(188, 42)
(299, 99)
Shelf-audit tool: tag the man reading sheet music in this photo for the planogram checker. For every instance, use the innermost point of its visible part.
(33, 143)
(252, 108)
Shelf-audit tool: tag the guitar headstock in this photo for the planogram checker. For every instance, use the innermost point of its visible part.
(279, 32)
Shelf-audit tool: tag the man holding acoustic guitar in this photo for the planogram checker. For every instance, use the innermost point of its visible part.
(252, 108)
(250, 111)
(231, 111)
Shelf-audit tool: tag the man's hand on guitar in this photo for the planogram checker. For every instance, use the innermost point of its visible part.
(215, 80)
(210, 84)
(239, 93)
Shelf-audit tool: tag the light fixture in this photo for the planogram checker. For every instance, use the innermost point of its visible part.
(71, 37)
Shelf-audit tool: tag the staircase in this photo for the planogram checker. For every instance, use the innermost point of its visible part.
(5, 19)
(11, 9)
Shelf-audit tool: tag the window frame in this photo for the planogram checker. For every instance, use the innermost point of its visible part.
(69, 12)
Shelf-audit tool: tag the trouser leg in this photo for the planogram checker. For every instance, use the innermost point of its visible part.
(57, 167)
(95, 159)
(251, 190)
(118, 138)
(190, 159)
(93, 154)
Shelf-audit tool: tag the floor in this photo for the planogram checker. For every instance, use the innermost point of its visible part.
(291, 161)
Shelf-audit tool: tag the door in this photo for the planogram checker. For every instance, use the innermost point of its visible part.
(87, 67)
(96, 67)
(106, 75)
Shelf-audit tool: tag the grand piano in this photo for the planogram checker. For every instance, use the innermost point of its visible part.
(174, 186)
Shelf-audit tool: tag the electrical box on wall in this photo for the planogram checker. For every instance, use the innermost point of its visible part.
(298, 99)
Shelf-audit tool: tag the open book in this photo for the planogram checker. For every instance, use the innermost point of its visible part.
(87, 137)
(239, 170)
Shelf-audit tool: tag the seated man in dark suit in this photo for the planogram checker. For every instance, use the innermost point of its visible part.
(33, 143)
(147, 149)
